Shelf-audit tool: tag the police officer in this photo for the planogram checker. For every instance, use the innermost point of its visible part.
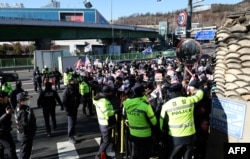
(6, 141)
(177, 121)
(13, 94)
(71, 100)
(57, 77)
(26, 125)
(47, 100)
(37, 79)
(106, 118)
(6, 86)
(46, 74)
(141, 119)
(86, 99)
(67, 76)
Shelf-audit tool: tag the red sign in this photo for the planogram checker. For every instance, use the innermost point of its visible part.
(182, 18)
(76, 18)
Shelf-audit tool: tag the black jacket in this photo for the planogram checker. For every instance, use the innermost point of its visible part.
(49, 98)
(13, 94)
(26, 122)
(5, 120)
(71, 98)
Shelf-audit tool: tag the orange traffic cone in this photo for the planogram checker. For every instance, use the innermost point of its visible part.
(103, 156)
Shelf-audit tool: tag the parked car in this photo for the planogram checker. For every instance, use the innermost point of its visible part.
(10, 77)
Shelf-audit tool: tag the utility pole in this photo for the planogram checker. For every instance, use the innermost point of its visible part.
(189, 19)
(112, 21)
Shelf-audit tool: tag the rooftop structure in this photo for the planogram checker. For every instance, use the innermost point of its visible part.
(15, 5)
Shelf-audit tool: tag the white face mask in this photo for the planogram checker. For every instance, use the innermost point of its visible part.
(27, 102)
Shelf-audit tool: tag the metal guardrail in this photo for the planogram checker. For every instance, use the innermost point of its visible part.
(17, 64)
(17, 68)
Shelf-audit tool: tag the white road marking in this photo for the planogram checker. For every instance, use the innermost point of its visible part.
(98, 140)
(66, 150)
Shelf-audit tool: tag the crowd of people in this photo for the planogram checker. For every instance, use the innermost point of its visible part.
(164, 102)
(164, 105)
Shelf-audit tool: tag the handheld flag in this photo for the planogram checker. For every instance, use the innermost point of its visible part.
(88, 48)
(148, 50)
(107, 60)
(84, 61)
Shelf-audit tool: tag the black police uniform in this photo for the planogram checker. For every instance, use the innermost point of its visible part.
(26, 127)
(13, 94)
(57, 76)
(6, 141)
(37, 79)
(47, 100)
(71, 101)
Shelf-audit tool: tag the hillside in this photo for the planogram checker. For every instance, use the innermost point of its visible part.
(213, 17)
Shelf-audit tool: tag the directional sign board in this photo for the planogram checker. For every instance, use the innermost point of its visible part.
(228, 117)
(200, 8)
(205, 35)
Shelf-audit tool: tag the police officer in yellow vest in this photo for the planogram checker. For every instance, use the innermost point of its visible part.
(141, 119)
(6, 86)
(46, 74)
(106, 118)
(86, 99)
(67, 76)
(177, 121)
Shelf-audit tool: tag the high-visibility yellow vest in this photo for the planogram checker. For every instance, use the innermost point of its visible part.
(178, 114)
(7, 87)
(84, 88)
(104, 110)
(66, 78)
(139, 114)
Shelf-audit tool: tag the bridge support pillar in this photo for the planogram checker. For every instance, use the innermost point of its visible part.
(43, 44)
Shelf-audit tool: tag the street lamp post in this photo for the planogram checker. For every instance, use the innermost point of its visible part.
(189, 19)
(112, 22)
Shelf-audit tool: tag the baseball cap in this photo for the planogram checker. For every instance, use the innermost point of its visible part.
(22, 96)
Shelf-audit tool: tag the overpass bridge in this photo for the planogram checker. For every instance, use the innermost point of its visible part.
(45, 24)
(43, 31)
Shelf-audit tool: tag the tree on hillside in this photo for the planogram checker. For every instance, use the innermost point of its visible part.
(31, 49)
(17, 48)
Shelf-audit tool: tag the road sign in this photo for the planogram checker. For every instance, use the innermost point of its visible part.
(205, 35)
(200, 8)
(182, 18)
(228, 117)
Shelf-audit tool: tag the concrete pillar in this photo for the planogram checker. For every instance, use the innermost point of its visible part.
(43, 44)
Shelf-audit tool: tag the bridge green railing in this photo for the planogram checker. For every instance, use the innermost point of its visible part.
(16, 63)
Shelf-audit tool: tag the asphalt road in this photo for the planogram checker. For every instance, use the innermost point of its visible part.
(57, 146)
